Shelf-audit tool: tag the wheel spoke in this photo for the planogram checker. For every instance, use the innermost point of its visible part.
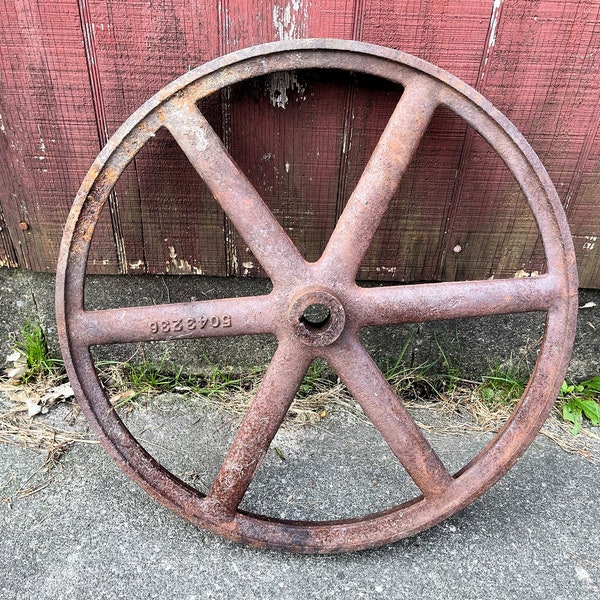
(368, 203)
(231, 188)
(207, 318)
(261, 423)
(456, 299)
(386, 411)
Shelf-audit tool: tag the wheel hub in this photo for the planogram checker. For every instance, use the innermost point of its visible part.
(318, 317)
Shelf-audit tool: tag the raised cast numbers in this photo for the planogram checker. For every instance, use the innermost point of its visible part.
(190, 324)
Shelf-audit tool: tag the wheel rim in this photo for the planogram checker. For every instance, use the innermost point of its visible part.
(330, 282)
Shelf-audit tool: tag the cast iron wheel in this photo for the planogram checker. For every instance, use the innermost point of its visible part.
(330, 282)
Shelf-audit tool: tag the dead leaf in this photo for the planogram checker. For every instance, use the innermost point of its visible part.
(62, 391)
(15, 374)
(33, 408)
(14, 357)
(123, 397)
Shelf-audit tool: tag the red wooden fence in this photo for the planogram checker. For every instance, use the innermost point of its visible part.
(72, 70)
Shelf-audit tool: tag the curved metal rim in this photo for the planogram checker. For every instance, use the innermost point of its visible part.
(378, 528)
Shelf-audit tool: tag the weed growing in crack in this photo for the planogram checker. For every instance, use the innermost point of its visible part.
(147, 376)
(503, 386)
(31, 344)
(452, 367)
(318, 376)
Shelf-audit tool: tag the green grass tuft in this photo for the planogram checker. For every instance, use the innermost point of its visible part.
(503, 386)
(32, 345)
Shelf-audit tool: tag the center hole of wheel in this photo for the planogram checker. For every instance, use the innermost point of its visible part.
(316, 315)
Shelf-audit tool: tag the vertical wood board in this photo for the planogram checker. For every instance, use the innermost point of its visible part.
(163, 214)
(451, 35)
(48, 135)
(286, 130)
(538, 70)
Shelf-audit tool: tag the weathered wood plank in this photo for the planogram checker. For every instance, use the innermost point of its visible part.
(287, 136)
(165, 217)
(48, 136)
(8, 256)
(581, 198)
(584, 209)
(408, 244)
(539, 70)
(286, 131)
(447, 33)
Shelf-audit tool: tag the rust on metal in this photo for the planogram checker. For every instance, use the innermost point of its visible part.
(316, 310)
(317, 317)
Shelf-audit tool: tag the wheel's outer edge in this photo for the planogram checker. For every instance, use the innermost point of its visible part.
(475, 478)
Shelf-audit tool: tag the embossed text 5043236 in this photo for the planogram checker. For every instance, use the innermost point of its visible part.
(189, 324)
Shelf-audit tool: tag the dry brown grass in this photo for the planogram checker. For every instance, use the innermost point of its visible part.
(457, 411)
(19, 428)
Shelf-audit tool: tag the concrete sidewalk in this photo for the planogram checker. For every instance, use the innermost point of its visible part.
(83, 530)
(92, 533)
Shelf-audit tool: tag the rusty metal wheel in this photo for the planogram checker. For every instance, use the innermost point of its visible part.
(329, 283)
